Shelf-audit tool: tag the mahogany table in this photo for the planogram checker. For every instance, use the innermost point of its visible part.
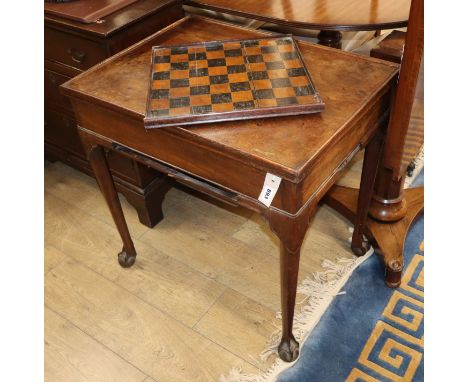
(229, 160)
(328, 16)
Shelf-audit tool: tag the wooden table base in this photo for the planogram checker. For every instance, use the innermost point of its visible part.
(290, 229)
(388, 239)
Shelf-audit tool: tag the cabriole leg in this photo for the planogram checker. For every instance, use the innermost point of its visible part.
(98, 162)
(291, 231)
(288, 348)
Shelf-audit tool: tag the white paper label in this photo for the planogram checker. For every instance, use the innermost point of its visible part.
(270, 186)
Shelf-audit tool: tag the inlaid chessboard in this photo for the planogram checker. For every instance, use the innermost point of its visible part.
(229, 80)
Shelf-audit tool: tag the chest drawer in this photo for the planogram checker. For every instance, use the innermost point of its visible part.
(52, 94)
(72, 50)
(60, 130)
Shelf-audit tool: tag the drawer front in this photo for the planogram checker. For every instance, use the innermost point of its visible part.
(72, 50)
(52, 94)
(60, 130)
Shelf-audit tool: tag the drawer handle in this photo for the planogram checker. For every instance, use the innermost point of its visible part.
(77, 56)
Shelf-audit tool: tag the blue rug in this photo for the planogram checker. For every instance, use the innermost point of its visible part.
(371, 333)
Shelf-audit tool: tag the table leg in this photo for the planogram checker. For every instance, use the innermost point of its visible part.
(98, 162)
(330, 38)
(366, 188)
(288, 348)
(291, 232)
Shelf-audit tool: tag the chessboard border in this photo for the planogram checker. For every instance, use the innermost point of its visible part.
(236, 115)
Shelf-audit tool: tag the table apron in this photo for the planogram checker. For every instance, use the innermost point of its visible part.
(209, 170)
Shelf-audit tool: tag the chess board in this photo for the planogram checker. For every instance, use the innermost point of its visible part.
(229, 80)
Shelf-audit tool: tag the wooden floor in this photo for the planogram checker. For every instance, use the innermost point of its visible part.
(200, 299)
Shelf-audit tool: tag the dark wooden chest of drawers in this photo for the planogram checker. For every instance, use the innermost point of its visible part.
(72, 47)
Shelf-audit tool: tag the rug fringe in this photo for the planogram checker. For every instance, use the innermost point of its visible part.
(419, 164)
(319, 290)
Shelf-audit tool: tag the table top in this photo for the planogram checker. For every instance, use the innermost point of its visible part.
(348, 85)
(318, 14)
(114, 22)
(86, 11)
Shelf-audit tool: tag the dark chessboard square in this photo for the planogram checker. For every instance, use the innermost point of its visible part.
(160, 112)
(269, 49)
(231, 69)
(161, 59)
(161, 75)
(284, 41)
(200, 72)
(197, 56)
(201, 109)
(233, 52)
(286, 101)
(258, 75)
(222, 79)
(280, 82)
(263, 94)
(274, 65)
(179, 66)
(296, 72)
(254, 58)
(179, 102)
(289, 55)
(180, 83)
(303, 90)
(217, 62)
(179, 50)
(197, 90)
(250, 43)
(244, 105)
(221, 98)
(160, 93)
(213, 47)
(239, 86)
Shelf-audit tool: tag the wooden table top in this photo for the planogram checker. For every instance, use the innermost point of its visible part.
(113, 22)
(318, 14)
(348, 84)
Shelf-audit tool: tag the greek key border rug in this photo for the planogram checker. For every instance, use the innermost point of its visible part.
(353, 327)
(371, 333)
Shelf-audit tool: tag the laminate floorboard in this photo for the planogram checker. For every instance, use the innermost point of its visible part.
(200, 299)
